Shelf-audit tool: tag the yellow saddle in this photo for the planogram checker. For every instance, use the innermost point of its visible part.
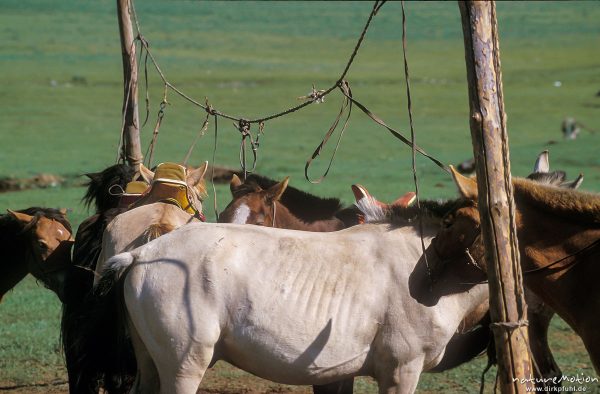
(169, 186)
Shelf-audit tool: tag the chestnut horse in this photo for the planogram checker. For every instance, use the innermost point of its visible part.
(37, 241)
(260, 200)
(558, 231)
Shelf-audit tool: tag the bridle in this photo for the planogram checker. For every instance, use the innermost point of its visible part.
(274, 214)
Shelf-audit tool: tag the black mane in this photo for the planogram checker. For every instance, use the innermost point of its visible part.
(430, 209)
(101, 188)
(301, 204)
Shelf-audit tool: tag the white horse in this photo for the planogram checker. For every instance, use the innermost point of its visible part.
(288, 306)
(151, 219)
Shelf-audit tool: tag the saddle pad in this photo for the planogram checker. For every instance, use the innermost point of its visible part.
(170, 171)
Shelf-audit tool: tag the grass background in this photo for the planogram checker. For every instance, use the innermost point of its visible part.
(61, 92)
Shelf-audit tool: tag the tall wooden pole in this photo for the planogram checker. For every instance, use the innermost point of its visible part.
(132, 150)
(496, 204)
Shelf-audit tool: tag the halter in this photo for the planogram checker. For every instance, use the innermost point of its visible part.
(472, 261)
(274, 213)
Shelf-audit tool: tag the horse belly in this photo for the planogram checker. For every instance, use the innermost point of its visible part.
(299, 355)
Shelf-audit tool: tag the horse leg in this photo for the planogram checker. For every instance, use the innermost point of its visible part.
(146, 380)
(401, 379)
(182, 373)
(176, 381)
(539, 321)
(343, 387)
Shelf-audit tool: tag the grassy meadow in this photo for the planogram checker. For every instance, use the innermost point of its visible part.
(61, 94)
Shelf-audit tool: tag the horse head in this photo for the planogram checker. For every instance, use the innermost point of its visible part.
(252, 204)
(460, 237)
(48, 240)
(374, 210)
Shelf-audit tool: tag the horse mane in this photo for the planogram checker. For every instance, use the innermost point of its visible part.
(100, 183)
(155, 230)
(301, 204)
(567, 203)
(433, 210)
(548, 178)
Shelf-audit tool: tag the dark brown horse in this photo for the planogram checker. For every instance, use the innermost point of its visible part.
(102, 193)
(559, 233)
(86, 372)
(262, 201)
(38, 241)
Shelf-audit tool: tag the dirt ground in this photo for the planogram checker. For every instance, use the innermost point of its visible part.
(222, 379)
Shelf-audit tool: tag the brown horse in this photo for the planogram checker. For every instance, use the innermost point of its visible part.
(38, 241)
(262, 201)
(559, 233)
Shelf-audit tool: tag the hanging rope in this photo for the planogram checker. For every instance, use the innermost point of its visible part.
(346, 105)
(413, 146)
(200, 135)
(144, 43)
(244, 124)
(161, 114)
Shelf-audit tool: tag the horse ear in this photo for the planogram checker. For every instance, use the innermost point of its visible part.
(406, 200)
(542, 164)
(574, 184)
(63, 211)
(275, 192)
(360, 192)
(22, 217)
(197, 175)
(146, 174)
(467, 187)
(235, 183)
(93, 175)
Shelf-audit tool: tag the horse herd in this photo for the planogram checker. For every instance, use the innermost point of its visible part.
(314, 294)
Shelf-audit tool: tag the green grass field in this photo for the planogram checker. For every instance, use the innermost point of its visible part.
(61, 93)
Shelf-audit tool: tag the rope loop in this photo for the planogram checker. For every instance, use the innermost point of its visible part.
(509, 325)
(243, 127)
(209, 108)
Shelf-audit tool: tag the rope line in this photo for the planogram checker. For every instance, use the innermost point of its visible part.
(144, 43)
(413, 146)
(243, 124)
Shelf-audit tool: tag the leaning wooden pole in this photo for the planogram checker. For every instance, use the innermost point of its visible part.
(496, 204)
(131, 148)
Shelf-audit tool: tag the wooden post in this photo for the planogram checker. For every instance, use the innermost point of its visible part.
(496, 204)
(132, 150)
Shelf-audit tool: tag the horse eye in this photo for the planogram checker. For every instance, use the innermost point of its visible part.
(42, 245)
(447, 222)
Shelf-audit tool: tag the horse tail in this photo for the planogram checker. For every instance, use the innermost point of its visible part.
(156, 230)
(102, 344)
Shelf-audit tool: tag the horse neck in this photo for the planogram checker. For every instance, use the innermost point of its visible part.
(283, 218)
(15, 264)
(545, 238)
